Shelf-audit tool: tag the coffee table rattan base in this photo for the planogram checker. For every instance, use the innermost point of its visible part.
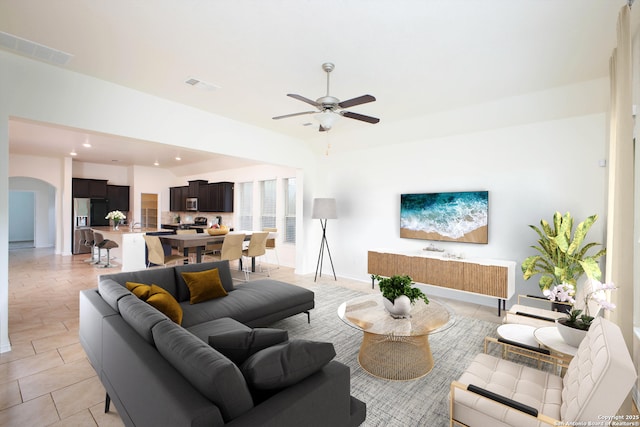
(396, 358)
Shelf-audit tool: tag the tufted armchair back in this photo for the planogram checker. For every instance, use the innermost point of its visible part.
(599, 377)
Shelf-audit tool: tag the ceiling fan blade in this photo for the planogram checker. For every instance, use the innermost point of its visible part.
(361, 117)
(293, 115)
(303, 99)
(356, 101)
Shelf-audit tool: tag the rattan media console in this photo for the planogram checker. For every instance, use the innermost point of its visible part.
(492, 278)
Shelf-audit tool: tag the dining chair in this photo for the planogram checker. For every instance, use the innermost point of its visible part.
(106, 244)
(256, 248)
(271, 244)
(156, 252)
(231, 250)
(187, 231)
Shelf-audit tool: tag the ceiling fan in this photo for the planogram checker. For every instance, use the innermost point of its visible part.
(330, 108)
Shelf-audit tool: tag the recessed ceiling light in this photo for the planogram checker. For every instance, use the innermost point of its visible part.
(156, 163)
(87, 145)
(73, 153)
(178, 158)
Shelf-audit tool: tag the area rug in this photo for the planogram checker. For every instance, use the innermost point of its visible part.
(421, 402)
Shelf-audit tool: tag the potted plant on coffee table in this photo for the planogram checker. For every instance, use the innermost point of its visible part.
(398, 294)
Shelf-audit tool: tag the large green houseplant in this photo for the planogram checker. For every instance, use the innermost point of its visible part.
(562, 254)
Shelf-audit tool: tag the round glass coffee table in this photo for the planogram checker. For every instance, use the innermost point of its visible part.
(395, 349)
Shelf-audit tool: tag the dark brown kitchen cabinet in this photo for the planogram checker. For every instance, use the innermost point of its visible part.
(194, 187)
(89, 188)
(118, 196)
(220, 197)
(212, 197)
(177, 198)
(204, 199)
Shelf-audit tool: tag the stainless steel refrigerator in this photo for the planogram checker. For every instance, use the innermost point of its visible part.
(81, 220)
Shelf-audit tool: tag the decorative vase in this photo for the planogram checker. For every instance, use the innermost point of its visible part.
(571, 336)
(399, 308)
(116, 224)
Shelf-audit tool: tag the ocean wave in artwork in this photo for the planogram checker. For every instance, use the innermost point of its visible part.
(449, 214)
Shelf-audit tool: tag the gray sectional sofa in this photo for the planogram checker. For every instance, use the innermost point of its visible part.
(159, 373)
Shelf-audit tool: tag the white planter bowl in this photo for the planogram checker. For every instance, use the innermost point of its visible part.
(400, 308)
(571, 336)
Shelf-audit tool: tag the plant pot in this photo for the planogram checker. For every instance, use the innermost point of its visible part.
(400, 308)
(571, 336)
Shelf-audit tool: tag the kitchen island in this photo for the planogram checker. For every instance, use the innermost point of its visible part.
(130, 253)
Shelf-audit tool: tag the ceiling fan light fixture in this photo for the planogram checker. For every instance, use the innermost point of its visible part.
(327, 119)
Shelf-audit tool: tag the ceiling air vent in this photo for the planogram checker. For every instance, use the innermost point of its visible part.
(34, 50)
(200, 84)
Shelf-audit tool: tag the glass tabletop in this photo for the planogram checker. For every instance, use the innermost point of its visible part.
(367, 313)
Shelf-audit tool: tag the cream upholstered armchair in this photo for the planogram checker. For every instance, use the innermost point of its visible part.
(534, 311)
(496, 392)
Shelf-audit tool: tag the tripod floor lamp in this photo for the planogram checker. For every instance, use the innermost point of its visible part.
(324, 209)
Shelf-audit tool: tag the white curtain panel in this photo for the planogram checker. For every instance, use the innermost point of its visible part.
(620, 218)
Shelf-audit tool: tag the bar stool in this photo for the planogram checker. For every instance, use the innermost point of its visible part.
(103, 243)
(89, 241)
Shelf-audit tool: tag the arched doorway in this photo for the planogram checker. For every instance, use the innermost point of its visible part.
(32, 212)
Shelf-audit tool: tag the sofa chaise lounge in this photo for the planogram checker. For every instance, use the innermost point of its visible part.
(158, 372)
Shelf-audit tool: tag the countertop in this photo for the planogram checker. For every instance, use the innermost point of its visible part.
(124, 229)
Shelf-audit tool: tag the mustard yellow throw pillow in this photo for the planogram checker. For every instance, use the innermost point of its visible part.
(158, 298)
(139, 289)
(204, 285)
(165, 302)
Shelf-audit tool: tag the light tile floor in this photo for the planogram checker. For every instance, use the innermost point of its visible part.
(46, 379)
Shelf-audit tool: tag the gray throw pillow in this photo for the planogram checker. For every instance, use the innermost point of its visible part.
(211, 373)
(285, 364)
(239, 345)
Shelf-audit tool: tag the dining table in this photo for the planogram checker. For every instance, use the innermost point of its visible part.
(187, 242)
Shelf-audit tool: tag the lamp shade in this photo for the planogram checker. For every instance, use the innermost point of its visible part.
(324, 209)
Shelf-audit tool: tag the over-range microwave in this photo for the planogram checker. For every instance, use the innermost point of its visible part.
(192, 204)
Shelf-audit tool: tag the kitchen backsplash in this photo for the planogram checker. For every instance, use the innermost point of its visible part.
(188, 217)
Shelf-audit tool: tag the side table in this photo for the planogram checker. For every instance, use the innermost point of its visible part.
(522, 334)
(550, 338)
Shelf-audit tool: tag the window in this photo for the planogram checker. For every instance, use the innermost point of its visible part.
(246, 205)
(268, 204)
(290, 210)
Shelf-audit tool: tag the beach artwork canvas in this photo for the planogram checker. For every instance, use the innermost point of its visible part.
(454, 217)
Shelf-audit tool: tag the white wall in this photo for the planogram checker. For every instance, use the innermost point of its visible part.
(530, 171)
(43, 176)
